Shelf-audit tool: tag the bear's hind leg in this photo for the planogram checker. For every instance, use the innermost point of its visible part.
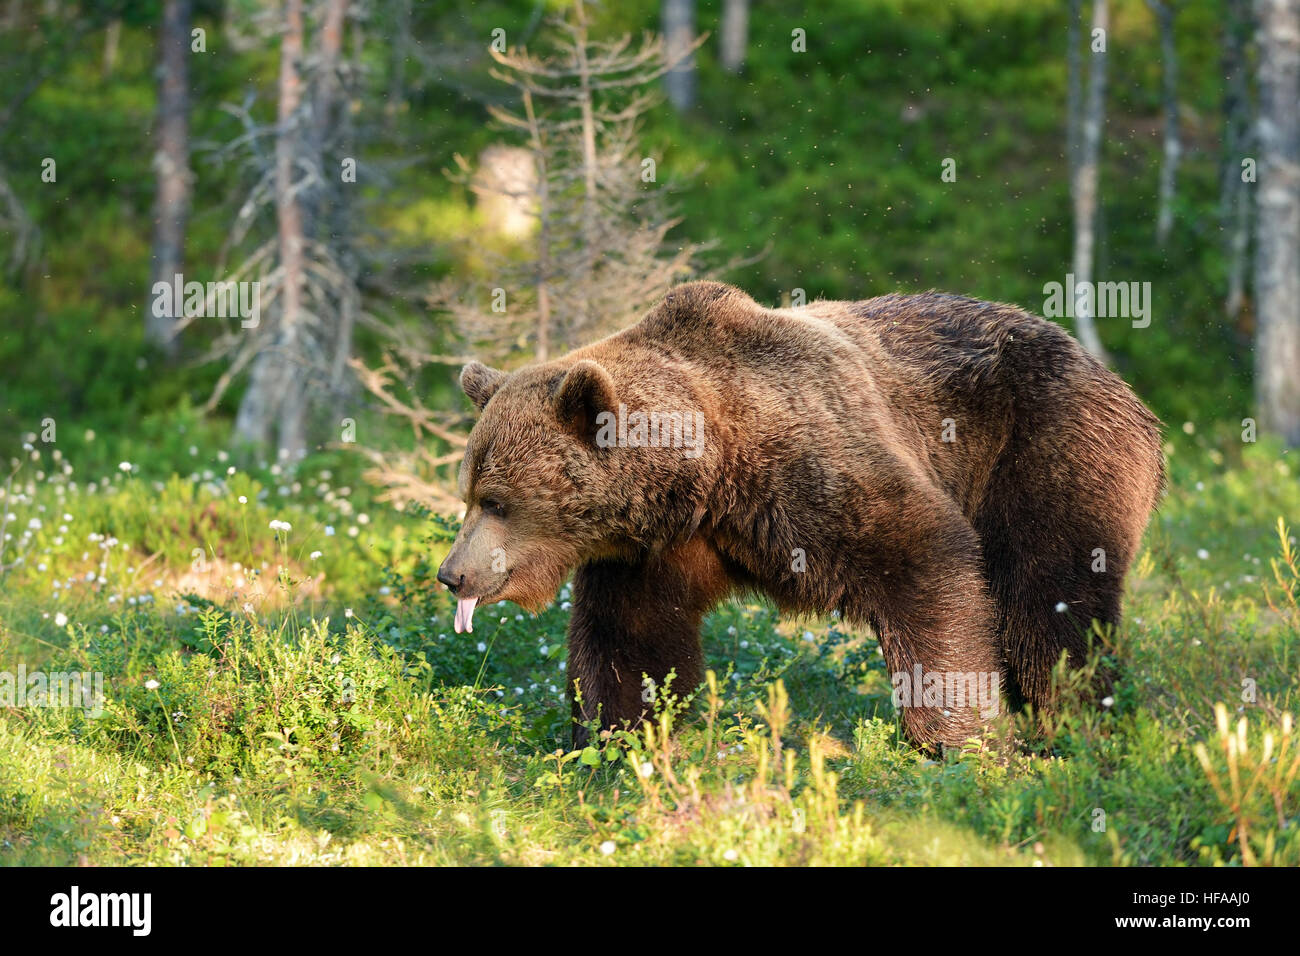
(1057, 541)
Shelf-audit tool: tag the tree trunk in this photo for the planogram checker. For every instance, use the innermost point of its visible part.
(171, 161)
(1085, 184)
(330, 111)
(586, 103)
(543, 345)
(735, 34)
(1165, 12)
(1235, 199)
(275, 404)
(1277, 255)
(112, 43)
(326, 102)
(679, 34)
(397, 63)
(1073, 89)
(1238, 254)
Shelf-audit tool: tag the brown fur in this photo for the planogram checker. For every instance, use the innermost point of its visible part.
(824, 429)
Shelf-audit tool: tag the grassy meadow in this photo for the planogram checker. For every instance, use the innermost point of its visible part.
(295, 695)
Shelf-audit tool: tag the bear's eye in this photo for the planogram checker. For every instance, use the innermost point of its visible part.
(493, 507)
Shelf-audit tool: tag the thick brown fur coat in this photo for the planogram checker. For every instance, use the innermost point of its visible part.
(823, 480)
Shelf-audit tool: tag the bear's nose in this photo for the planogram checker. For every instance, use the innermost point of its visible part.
(453, 581)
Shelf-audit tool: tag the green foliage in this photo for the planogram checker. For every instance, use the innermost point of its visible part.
(826, 161)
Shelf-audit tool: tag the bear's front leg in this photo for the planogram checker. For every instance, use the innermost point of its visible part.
(635, 618)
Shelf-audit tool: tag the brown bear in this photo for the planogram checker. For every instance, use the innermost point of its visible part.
(959, 475)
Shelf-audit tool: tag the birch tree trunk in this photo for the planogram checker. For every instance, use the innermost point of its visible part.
(1073, 89)
(679, 35)
(171, 163)
(735, 34)
(1277, 256)
(1235, 199)
(1085, 183)
(1165, 11)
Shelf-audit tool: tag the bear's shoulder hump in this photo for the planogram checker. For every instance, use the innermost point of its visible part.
(697, 306)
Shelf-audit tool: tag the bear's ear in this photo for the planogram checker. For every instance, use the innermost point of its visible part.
(585, 391)
(480, 382)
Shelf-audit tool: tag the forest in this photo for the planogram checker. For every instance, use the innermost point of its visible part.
(246, 247)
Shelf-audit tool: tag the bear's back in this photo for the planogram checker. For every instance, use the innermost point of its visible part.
(941, 341)
(956, 342)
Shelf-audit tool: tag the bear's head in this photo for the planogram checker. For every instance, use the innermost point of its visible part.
(547, 485)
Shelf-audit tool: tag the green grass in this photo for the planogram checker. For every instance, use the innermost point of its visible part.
(264, 706)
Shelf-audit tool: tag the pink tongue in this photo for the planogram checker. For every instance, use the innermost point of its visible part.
(465, 614)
